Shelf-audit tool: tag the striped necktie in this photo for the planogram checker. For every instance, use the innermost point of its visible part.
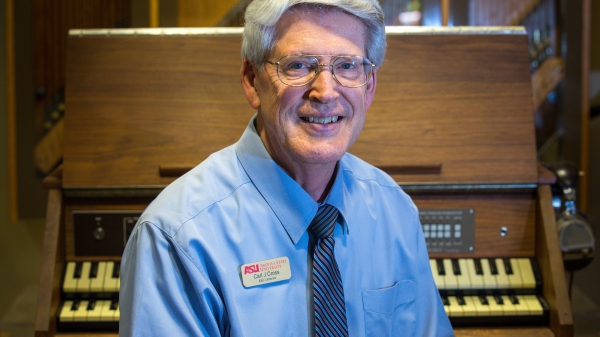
(330, 310)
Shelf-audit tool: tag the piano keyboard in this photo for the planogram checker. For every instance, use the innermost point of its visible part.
(92, 277)
(520, 275)
(474, 292)
(101, 315)
(495, 310)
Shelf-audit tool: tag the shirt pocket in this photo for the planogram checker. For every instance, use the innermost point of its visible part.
(390, 311)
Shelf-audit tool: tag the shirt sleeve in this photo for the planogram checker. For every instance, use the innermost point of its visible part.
(433, 320)
(163, 293)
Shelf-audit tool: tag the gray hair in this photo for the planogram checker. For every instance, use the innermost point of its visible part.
(262, 16)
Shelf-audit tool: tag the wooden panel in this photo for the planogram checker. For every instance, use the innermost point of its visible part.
(95, 205)
(140, 102)
(52, 266)
(460, 100)
(550, 260)
(136, 103)
(516, 212)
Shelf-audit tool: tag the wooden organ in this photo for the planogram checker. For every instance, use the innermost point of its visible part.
(452, 122)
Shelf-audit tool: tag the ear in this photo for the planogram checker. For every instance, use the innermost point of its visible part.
(248, 74)
(370, 89)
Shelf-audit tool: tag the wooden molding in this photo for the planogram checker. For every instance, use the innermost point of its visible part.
(13, 194)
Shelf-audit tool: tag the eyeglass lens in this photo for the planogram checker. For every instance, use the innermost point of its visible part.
(350, 71)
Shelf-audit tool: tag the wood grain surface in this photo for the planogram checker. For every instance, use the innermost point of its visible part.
(138, 102)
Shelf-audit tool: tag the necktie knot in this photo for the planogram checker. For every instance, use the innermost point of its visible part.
(324, 222)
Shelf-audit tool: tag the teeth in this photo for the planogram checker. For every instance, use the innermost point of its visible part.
(325, 120)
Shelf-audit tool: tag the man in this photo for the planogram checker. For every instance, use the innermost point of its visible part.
(284, 233)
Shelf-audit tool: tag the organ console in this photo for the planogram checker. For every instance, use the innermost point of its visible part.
(452, 123)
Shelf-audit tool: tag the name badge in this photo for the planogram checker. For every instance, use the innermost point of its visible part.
(267, 271)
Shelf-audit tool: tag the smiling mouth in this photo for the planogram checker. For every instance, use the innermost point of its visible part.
(325, 120)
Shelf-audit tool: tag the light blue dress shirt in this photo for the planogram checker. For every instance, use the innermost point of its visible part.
(180, 273)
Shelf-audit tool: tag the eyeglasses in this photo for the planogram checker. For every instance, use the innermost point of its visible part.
(299, 70)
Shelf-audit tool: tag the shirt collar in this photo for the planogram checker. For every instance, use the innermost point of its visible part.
(294, 208)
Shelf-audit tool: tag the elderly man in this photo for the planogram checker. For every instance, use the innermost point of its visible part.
(284, 233)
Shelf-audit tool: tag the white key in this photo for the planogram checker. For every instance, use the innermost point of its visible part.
(83, 285)
(94, 314)
(508, 308)
(110, 283)
(446, 306)
(66, 314)
(489, 280)
(469, 308)
(464, 281)
(526, 273)
(117, 315)
(439, 280)
(106, 314)
(97, 283)
(450, 280)
(81, 314)
(515, 280)
(455, 308)
(522, 307)
(495, 308)
(535, 308)
(482, 309)
(502, 278)
(476, 280)
(70, 283)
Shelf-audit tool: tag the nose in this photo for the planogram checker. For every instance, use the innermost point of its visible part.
(324, 86)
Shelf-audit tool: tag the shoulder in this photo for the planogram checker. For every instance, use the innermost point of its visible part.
(373, 182)
(212, 181)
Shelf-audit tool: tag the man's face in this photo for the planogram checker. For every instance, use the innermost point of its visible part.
(284, 112)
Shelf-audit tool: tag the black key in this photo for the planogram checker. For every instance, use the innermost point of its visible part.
(440, 265)
(94, 270)
(78, 267)
(91, 305)
(445, 300)
(507, 266)
(114, 304)
(116, 270)
(478, 267)
(75, 305)
(461, 300)
(455, 267)
(483, 300)
(493, 267)
(499, 299)
(513, 299)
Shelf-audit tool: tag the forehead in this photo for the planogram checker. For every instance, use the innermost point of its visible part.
(310, 31)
